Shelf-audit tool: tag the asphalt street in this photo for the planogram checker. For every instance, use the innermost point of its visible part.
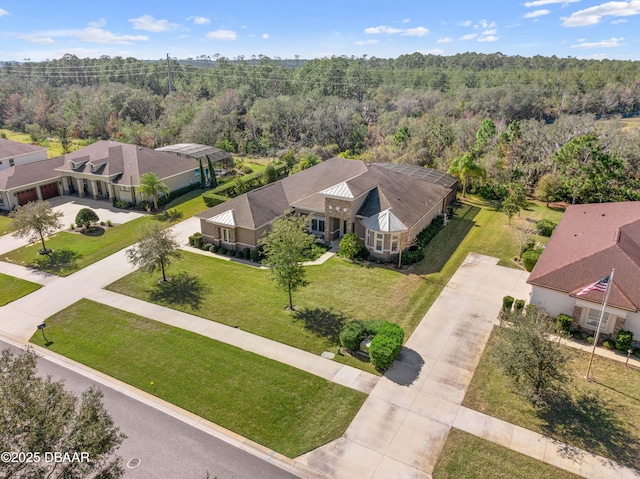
(164, 446)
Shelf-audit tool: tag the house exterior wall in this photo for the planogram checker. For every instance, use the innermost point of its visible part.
(23, 159)
(633, 324)
(551, 301)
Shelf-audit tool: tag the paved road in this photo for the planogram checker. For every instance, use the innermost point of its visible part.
(167, 447)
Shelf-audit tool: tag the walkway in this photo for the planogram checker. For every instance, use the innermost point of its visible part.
(540, 447)
(402, 426)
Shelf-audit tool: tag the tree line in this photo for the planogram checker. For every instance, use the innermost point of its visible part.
(419, 109)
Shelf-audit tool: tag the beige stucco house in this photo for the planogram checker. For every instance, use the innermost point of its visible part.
(105, 170)
(15, 153)
(587, 244)
(386, 205)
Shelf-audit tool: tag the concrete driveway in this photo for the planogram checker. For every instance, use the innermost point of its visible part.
(70, 205)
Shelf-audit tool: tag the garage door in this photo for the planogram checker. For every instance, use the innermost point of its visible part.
(27, 195)
(49, 191)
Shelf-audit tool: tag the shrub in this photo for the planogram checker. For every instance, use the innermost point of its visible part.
(222, 250)
(109, 223)
(212, 199)
(372, 326)
(624, 340)
(351, 247)
(231, 252)
(545, 227)
(563, 323)
(239, 254)
(352, 335)
(197, 240)
(507, 303)
(207, 246)
(412, 256)
(270, 174)
(493, 191)
(530, 258)
(608, 344)
(72, 226)
(590, 339)
(518, 305)
(255, 255)
(246, 253)
(386, 345)
(125, 205)
(636, 352)
(215, 248)
(86, 217)
(212, 248)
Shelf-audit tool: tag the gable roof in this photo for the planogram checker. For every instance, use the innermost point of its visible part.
(588, 243)
(409, 197)
(29, 173)
(11, 149)
(122, 163)
(384, 221)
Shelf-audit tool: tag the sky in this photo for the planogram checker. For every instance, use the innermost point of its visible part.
(150, 30)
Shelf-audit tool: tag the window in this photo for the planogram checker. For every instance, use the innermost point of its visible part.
(394, 243)
(367, 240)
(226, 235)
(594, 316)
(379, 242)
(124, 188)
(197, 172)
(317, 225)
(10, 161)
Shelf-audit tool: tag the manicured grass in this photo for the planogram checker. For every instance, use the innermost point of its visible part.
(55, 148)
(469, 457)
(280, 407)
(74, 251)
(601, 416)
(13, 288)
(5, 224)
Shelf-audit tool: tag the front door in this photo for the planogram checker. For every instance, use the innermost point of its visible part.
(343, 231)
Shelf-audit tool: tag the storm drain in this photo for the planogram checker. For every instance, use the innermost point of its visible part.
(133, 463)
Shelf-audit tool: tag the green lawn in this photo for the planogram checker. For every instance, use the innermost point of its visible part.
(5, 224)
(13, 288)
(280, 407)
(469, 457)
(55, 148)
(601, 416)
(74, 251)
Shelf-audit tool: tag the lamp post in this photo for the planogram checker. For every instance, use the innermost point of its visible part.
(628, 356)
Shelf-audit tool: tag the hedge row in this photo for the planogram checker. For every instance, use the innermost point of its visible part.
(212, 199)
(385, 345)
(416, 253)
(250, 181)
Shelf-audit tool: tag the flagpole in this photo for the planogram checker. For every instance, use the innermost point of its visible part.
(604, 305)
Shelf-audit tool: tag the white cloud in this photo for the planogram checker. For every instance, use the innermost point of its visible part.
(406, 20)
(150, 24)
(223, 35)
(445, 40)
(470, 36)
(485, 24)
(98, 35)
(593, 15)
(3, 12)
(490, 38)
(405, 32)
(612, 42)
(98, 23)
(433, 51)
(199, 20)
(415, 32)
(382, 29)
(466, 23)
(617, 22)
(43, 40)
(539, 3)
(265, 36)
(361, 43)
(490, 32)
(537, 13)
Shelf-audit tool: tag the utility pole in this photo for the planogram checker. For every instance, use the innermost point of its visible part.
(169, 73)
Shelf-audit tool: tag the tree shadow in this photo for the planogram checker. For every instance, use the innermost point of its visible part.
(57, 262)
(182, 289)
(587, 421)
(168, 215)
(322, 322)
(406, 368)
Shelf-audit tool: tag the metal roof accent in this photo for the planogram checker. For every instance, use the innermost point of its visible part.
(225, 218)
(341, 190)
(426, 174)
(193, 150)
(384, 221)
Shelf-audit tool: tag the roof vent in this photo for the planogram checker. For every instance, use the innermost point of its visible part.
(603, 214)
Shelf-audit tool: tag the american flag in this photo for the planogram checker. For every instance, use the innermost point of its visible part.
(600, 285)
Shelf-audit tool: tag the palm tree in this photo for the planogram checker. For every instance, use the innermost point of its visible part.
(465, 168)
(151, 186)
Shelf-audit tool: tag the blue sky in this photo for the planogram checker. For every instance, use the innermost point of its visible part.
(310, 29)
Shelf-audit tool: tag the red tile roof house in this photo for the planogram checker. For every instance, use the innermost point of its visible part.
(104, 170)
(588, 243)
(384, 207)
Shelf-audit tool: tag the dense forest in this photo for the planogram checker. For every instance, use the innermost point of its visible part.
(550, 124)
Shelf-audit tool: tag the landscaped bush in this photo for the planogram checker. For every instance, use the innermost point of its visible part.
(608, 344)
(624, 340)
(231, 252)
(352, 335)
(212, 248)
(255, 255)
(222, 250)
(351, 247)
(125, 205)
(164, 199)
(86, 217)
(493, 191)
(239, 254)
(518, 305)
(207, 246)
(507, 303)
(590, 339)
(212, 199)
(545, 227)
(246, 253)
(412, 256)
(197, 240)
(563, 323)
(386, 345)
(530, 258)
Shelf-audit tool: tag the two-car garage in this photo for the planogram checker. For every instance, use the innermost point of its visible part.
(47, 191)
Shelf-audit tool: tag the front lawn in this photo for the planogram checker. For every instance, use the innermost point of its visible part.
(280, 407)
(469, 457)
(602, 417)
(13, 288)
(5, 224)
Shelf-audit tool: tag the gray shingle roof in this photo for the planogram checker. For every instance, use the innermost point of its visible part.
(29, 173)
(11, 149)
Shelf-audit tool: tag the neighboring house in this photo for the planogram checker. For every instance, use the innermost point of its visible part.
(104, 170)
(588, 243)
(14, 153)
(386, 208)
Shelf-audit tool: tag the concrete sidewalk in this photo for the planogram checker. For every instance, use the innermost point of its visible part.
(543, 448)
(402, 427)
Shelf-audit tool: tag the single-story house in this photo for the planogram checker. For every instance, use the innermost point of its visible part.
(104, 170)
(15, 153)
(589, 242)
(384, 207)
